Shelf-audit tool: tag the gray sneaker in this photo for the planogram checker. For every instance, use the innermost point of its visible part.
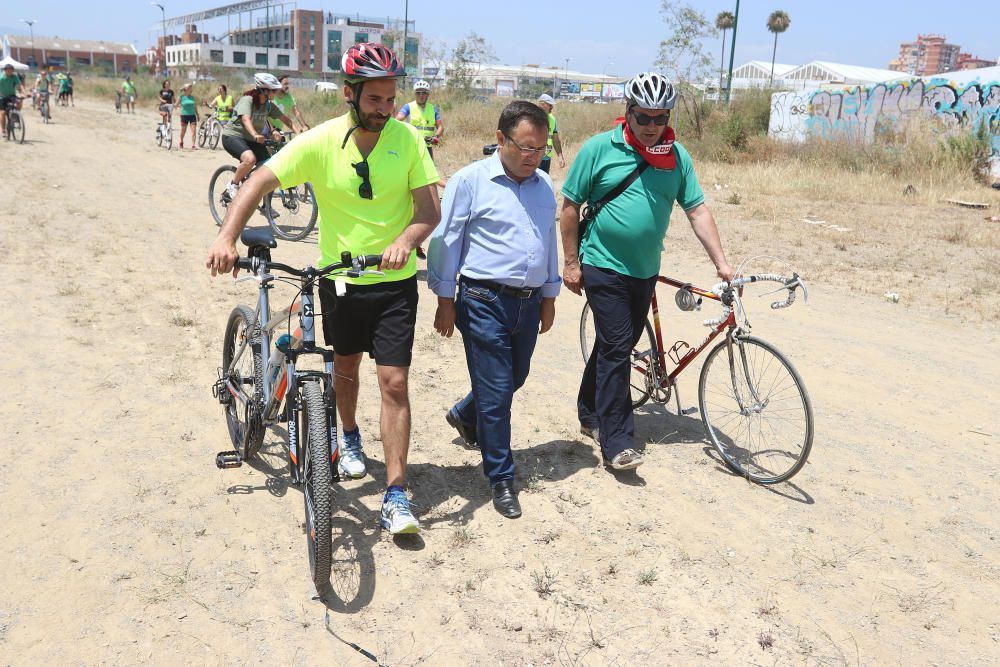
(625, 460)
(396, 516)
(351, 462)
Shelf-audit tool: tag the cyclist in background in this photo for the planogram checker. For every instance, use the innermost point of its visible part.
(128, 92)
(243, 136)
(189, 114)
(376, 194)
(547, 102)
(286, 102)
(426, 117)
(222, 104)
(10, 86)
(43, 87)
(166, 101)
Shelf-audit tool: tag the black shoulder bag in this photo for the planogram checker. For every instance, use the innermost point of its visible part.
(592, 209)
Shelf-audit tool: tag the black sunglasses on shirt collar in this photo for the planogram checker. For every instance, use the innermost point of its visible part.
(365, 189)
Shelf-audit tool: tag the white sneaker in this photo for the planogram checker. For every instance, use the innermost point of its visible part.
(232, 189)
(396, 516)
(351, 462)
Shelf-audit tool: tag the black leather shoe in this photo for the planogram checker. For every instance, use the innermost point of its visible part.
(504, 499)
(468, 433)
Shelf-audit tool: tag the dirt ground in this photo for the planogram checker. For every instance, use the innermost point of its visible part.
(122, 543)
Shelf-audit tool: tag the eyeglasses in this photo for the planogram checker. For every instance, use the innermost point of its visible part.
(529, 152)
(644, 119)
(365, 189)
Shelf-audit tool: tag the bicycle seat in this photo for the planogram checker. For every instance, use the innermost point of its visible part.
(258, 237)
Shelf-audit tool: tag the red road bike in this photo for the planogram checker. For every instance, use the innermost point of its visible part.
(753, 403)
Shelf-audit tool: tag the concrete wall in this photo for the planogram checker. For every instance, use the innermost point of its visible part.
(859, 113)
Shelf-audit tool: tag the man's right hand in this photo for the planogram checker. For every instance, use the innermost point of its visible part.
(444, 318)
(222, 257)
(573, 277)
(259, 138)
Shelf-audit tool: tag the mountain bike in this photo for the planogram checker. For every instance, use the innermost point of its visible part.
(118, 101)
(15, 122)
(209, 132)
(256, 381)
(165, 132)
(291, 212)
(753, 403)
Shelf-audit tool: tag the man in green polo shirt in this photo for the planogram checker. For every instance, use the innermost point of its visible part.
(286, 102)
(618, 257)
(375, 187)
(10, 86)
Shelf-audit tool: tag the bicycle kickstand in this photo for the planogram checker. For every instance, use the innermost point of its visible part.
(681, 411)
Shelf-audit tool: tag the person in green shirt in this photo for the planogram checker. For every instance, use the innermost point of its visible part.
(375, 188)
(618, 259)
(286, 102)
(10, 87)
(43, 86)
(189, 114)
(128, 92)
(243, 136)
(222, 104)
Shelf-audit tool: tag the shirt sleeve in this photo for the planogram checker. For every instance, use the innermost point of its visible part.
(554, 281)
(689, 194)
(405, 110)
(577, 185)
(444, 249)
(437, 114)
(297, 162)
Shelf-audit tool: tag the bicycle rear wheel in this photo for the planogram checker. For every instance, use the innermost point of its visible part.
(756, 410)
(202, 134)
(318, 477)
(292, 212)
(45, 112)
(168, 137)
(644, 357)
(15, 126)
(246, 426)
(218, 198)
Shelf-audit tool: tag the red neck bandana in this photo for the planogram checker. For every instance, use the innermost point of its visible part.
(660, 156)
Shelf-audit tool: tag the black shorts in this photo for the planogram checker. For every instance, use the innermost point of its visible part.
(377, 319)
(237, 146)
(189, 118)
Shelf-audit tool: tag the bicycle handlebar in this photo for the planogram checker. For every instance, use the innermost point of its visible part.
(355, 264)
(729, 293)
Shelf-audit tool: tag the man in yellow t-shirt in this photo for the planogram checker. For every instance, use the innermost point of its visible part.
(375, 187)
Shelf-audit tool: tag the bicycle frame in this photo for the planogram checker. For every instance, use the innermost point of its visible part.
(286, 381)
(682, 353)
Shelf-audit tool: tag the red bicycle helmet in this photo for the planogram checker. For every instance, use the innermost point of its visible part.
(367, 61)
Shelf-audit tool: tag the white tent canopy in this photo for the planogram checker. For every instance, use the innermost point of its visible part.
(10, 61)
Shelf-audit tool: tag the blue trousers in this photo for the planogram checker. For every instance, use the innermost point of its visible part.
(620, 304)
(499, 332)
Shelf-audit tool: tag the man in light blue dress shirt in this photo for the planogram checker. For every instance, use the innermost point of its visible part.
(496, 246)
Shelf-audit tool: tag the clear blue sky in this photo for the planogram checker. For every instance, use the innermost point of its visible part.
(619, 38)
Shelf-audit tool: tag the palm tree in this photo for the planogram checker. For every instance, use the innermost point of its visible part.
(777, 23)
(724, 22)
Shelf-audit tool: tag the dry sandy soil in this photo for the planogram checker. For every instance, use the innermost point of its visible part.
(122, 543)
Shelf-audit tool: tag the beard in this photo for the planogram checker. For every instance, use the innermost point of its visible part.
(376, 121)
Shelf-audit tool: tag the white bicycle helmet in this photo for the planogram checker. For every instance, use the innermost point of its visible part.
(422, 85)
(266, 81)
(649, 90)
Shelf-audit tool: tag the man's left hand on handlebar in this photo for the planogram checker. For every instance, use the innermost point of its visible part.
(222, 257)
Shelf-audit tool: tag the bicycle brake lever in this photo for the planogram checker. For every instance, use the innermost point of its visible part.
(251, 276)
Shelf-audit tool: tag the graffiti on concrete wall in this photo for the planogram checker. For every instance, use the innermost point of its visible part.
(860, 113)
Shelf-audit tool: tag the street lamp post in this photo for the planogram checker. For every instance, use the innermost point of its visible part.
(565, 70)
(604, 72)
(31, 29)
(732, 52)
(163, 13)
(406, 29)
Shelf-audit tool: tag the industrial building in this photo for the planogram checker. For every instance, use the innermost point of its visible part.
(66, 53)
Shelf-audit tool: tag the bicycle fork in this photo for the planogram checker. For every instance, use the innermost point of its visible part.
(756, 405)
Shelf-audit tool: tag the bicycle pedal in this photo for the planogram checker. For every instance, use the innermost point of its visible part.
(689, 411)
(230, 459)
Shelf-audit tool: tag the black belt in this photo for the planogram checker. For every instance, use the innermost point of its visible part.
(519, 292)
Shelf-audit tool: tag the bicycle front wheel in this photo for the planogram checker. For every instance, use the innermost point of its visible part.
(218, 197)
(318, 478)
(292, 212)
(202, 134)
(246, 426)
(15, 126)
(644, 357)
(215, 135)
(168, 138)
(756, 410)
